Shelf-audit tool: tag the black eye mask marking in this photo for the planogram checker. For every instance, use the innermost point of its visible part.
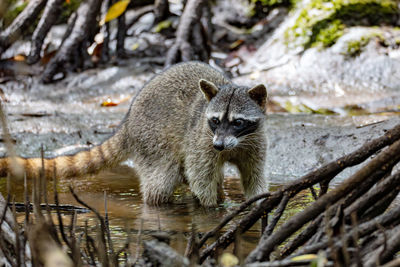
(237, 127)
(247, 128)
(214, 123)
(239, 123)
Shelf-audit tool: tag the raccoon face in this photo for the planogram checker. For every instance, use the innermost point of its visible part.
(233, 112)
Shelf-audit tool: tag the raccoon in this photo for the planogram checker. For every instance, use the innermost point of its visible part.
(182, 127)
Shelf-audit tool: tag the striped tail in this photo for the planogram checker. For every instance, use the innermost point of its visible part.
(107, 154)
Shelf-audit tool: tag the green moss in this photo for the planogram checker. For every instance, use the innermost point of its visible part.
(322, 22)
(15, 7)
(327, 32)
(355, 47)
(269, 4)
(13, 10)
(273, 3)
(68, 8)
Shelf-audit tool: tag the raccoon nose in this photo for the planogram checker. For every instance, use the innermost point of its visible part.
(219, 145)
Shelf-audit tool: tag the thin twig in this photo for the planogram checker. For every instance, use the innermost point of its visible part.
(3, 214)
(89, 242)
(355, 237)
(229, 217)
(110, 245)
(56, 200)
(386, 220)
(139, 240)
(100, 218)
(313, 193)
(17, 238)
(192, 247)
(300, 239)
(277, 215)
(26, 200)
(14, 167)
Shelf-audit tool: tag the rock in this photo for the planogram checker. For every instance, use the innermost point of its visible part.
(360, 58)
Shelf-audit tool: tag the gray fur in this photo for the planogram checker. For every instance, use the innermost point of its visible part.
(168, 135)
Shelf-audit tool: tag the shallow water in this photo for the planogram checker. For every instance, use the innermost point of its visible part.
(127, 213)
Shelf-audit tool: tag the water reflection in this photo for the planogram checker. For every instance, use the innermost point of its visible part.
(128, 214)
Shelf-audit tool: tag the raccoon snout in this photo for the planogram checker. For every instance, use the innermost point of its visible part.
(219, 145)
(225, 142)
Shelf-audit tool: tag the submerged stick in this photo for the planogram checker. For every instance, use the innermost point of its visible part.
(103, 228)
(229, 217)
(277, 215)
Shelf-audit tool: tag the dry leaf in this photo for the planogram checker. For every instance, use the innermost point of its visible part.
(19, 58)
(236, 44)
(227, 260)
(115, 11)
(109, 103)
(305, 257)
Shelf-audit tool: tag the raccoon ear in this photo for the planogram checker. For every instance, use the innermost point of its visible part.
(259, 94)
(208, 88)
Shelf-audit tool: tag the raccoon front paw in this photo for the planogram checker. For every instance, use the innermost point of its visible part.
(154, 199)
(208, 202)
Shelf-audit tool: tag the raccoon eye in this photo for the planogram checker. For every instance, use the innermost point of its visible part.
(215, 120)
(238, 123)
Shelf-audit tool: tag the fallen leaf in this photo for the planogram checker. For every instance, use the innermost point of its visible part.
(109, 103)
(47, 56)
(227, 260)
(305, 257)
(97, 50)
(135, 46)
(236, 44)
(165, 24)
(115, 11)
(19, 58)
(255, 75)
